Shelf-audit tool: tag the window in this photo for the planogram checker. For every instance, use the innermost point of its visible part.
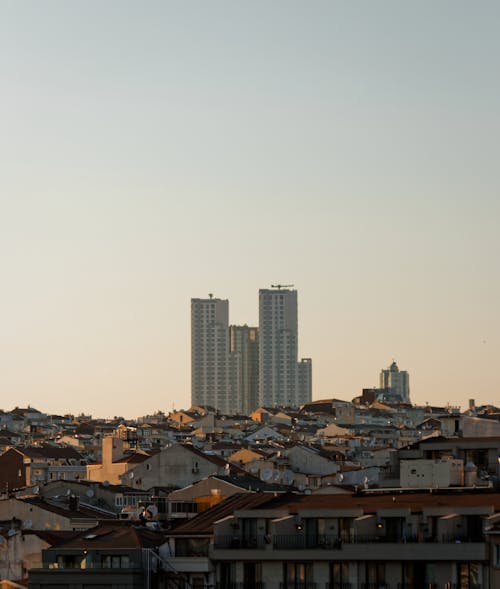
(297, 575)
(468, 575)
(339, 575)
(375, 574)
(115, 561)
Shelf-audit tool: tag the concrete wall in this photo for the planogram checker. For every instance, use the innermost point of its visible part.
(431, 473)
(173, 466)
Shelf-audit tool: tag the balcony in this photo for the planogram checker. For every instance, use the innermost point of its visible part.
(365, 547)
(242, 585)
(300, 542)
(236, 542)
(318, 541)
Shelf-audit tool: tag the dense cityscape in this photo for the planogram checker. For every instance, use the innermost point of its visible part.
(256, 484)
(250, 323)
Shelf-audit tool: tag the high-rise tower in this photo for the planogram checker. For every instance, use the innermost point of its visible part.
(396, 383)
(244, 361)
(278, 350)
(209, 353)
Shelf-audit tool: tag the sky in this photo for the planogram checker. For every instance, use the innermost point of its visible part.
(155, 151)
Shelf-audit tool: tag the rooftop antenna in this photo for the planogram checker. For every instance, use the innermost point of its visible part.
(280, 286)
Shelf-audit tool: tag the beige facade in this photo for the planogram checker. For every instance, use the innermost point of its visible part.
(115, 464)
(425, 474)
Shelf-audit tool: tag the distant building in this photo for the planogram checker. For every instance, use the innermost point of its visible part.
(395, 383)
(278, 353)
(209, 353)
(244, 366)
(304, 375)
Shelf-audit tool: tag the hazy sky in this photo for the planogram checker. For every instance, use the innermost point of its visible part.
(151, 152)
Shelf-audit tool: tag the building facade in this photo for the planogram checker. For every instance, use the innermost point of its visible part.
(305, 380)
(244, 352)
(395, 383)
(209, 353)
(278, 353)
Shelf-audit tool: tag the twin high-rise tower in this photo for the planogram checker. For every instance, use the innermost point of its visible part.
(236, 369)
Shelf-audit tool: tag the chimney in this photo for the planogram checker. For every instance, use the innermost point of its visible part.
(112, 449)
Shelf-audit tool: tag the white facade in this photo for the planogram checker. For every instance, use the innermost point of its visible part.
(431, 473)
(396, 382)
(278, 367)
(210, 354)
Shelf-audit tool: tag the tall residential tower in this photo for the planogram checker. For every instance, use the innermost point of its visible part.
(209, 353)
(279, 382)
(395, 383)
(244, 358)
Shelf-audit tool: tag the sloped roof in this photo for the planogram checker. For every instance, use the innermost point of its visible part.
(203, 523)
(251, 483)
(113, 536)
(133, 458)
(52, 537)
(60, 509)
(49, 451)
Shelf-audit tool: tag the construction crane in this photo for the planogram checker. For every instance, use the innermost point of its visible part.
(280, 286)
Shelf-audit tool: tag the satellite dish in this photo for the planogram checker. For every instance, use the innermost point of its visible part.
(89, 493)
(27, 524)
(153, 510)
(130, 475)
(68, 492)
(11, 532)
(105, 483)
(276, 475)
(340, 477)
(266, 474)
(288, 476)
(36, 490)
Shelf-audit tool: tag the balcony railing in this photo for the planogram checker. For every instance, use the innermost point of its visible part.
(298, 585)
(250, 542)
(241, 585)
(339, 585)
(329, 542)
(299, 542)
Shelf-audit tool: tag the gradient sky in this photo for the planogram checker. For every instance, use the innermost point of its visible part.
(151, 152)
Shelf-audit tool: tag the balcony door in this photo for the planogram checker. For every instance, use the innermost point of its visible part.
(252, 575)
(298, 575)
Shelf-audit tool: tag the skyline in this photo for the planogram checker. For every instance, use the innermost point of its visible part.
(156, 153)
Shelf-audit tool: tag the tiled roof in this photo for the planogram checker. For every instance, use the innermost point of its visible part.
(134, 458)
(251, 483)
(60, 509)
(372, 502)
(203, 523)
(52, 537)
(49, 451)
(116, 535)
